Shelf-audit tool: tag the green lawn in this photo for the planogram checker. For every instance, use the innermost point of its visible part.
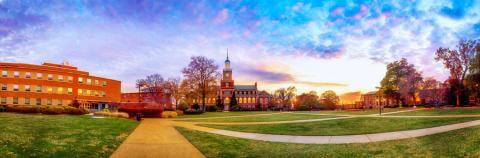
(431, 112)
(458, 143)
(353, 112)
(264, 118)
(224, 114)
(350, 126)
(24, 135)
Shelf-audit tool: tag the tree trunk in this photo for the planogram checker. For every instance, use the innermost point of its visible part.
(458, 97)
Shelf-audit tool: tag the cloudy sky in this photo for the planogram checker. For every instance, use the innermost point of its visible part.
(320, 45)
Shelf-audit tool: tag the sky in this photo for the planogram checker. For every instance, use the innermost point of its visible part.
(313, 45)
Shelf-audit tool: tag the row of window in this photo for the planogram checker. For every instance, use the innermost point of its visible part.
(81, 80)
(33, 101)
(49, 89)
(227, 100)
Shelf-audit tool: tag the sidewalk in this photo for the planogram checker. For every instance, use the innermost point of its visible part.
(156, 138)
(363, 138)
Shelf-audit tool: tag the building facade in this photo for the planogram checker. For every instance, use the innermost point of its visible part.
(55, 84)
(247, 96)
(162, 98)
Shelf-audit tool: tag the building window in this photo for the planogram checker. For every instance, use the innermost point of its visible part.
(60, 77)
(88, 92)
(39, 89)
(27, 88)
(50, 77)
(104, 83)
(70, 90)
(3, 100)
(49, 101)
(60, 90)
(27, 101)
(16, 74)
(80, 80)
(38, 101)
(89, 81)
(59, 103)
(39, 76)
(70, 79)
(28, 75)
(95, 93)
(4, 87)
(15, 87)
(103, 94)
(97, 82)
(80, 92)
(4, 73)
(49, 89)
(15, 100)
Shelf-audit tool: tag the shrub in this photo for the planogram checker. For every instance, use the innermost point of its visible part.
(212, 108)
(193, 112)
(49, 110)
(112, 114)
(303, 108)
(169, 114)
(182, 105)
(179, 112)
(196, 106)
(235, 108)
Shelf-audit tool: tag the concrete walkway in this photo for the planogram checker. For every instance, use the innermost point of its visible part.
(156, 138)
(364, 138)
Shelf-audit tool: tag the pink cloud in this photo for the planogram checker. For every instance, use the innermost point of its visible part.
(363, 11)
(221, 17)
(297, 6)
(338, 11)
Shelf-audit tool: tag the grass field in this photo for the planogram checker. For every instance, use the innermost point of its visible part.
(349, 126)
(264, 118)
(459, 143)
(24, 135)
(224, 114)
(432, 112)
(353, 112)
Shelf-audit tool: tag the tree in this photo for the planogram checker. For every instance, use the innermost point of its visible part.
(202, 73)
(151, 86)
(285, 96)
(234, 103)
(307, 101)
(173, 86)
(433, 91)
(401, 81)
(473, 79)
(458, 62)
(330, 99)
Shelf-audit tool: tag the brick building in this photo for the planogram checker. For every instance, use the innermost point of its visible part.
(55, 84)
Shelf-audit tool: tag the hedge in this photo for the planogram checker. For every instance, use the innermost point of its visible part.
(49, 110)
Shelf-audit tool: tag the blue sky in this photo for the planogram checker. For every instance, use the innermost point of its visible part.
(314, 45)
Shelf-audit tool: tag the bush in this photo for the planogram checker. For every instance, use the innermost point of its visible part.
(182, 105)
(212, 108)
(303, 108)
(179, 112)
(49, 110)
(193, 112)
(235, 108)
(196, 106)
(112, 114)
(169, 114)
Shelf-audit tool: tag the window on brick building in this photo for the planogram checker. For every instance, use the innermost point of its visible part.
(15, 100)
(80, 80)
(38, 101)
(3, 100)
(4, 73)
(4, 87)
(16, 74)
(60, 77)
(49, 101)
(27, 101)
(39, 89)
(70, 79)
(27, 88)
(70, 91)
(28, 75)
(39, 76)
(15, 87)
(50, 77)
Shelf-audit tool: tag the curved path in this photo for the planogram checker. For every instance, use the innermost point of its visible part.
(364, 138)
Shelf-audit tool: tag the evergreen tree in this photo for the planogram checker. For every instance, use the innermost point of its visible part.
(233, 103)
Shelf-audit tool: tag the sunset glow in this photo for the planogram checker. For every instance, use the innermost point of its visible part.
(325, 45)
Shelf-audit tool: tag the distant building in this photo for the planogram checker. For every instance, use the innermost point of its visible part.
(248, 96)
(55, 84)
(162, 98)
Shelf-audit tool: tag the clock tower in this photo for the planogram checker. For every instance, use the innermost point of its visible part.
(227, 79)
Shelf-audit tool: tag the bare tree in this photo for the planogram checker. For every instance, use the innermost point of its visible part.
(457, 62)
(285, 96)
(173, 86)
(202, 73)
